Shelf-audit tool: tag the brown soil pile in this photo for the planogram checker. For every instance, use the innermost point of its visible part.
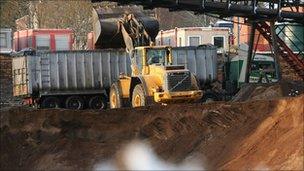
(288, 72)
(259, 91)
(249, 135)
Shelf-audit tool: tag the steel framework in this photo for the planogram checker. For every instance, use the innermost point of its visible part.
(279, 10)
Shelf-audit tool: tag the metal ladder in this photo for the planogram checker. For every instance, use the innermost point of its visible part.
(294, 60)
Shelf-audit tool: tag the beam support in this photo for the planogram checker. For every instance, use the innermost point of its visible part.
(250, 51)
(275, 50)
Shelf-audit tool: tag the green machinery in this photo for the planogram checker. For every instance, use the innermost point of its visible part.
(263, 70)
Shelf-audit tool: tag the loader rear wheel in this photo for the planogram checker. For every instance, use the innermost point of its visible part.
(74, 102)
(115, 97)
(50, 102)
(138, 96)
(98, 102)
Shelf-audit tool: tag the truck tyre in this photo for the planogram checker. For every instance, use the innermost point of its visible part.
(74, 102)
(97, 102)
(116, 100)
(50, 102)
(138, 96)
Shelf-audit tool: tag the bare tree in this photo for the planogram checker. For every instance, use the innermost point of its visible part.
(10, 10)
(75, 15)
(169, 20)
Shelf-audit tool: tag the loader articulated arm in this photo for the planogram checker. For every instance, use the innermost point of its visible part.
(123, 27)
(133, 32)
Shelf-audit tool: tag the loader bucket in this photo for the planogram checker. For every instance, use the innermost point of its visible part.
(106, 29)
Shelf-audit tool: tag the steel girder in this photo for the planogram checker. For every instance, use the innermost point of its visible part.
(264, 10)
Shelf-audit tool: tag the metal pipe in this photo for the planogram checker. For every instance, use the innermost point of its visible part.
(249, 57)
(275, 49)
(225, 9)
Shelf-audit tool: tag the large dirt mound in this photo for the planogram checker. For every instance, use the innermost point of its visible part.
(249, 135)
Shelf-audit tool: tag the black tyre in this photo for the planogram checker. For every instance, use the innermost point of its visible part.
(138, 96)
(74, 102)
(50, 102)
(209, 97)
(98, 102)
(116, 100)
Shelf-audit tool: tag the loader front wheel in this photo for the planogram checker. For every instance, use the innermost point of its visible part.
(115, 97)
(138, 96)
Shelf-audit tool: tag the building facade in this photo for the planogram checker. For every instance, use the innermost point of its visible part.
(44, 39)
(195, 36)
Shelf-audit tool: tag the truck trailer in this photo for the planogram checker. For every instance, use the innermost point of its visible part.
(82, 79)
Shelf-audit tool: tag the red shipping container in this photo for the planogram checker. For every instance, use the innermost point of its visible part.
(44, 39)
(90, 41)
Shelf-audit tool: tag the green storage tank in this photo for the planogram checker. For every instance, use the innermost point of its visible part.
(292, 34)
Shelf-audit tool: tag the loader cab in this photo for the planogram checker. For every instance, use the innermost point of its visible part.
(160, 57)
(148, 57)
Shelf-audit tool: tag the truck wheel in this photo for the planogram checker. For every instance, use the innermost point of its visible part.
(50, 102)
(97, 102)
(74, 102)
(115, 96)
(138, 96)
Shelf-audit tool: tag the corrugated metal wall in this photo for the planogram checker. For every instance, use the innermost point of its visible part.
(78, 70)
(201, 61)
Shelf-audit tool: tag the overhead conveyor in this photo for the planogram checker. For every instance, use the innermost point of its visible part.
(252, 9)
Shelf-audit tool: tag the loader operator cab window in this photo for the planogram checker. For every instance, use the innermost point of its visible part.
(157, 56)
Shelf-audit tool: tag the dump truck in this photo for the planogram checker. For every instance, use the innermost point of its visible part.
(83, 79)
(80, 79)
(130, 75)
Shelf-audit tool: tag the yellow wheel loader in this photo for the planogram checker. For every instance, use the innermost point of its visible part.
(154, 80)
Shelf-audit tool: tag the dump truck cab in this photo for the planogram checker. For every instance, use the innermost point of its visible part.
(154, 79)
